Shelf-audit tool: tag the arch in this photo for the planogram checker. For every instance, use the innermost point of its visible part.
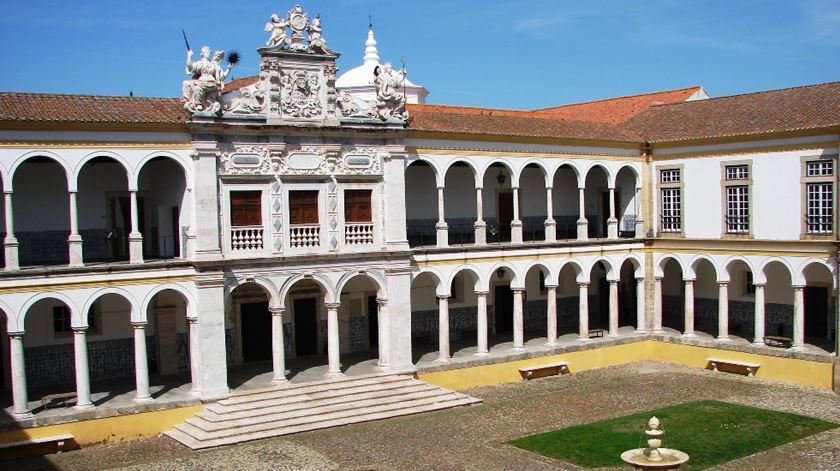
(135, 315)
(504, 163)
(134, 177)
(102, 153)
(439, 175)
(270, 290)
(539, 164)
(802, 280)
(608, 265)
(479, 281)
(373, 275)
(466, 162)
(435, 274)
(632, 169)
(516, 282)
(725, 273)
(189, 300)
(7, 311)
(321, 280)
(68, 172)
(638, 266)
(605, 168)
(567, 164)
(659, 270)
(578, 267)
(550, 277)
(692, 265)
(24, 310)
(760, 275)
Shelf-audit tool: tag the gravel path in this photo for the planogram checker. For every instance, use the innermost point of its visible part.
(474, 438)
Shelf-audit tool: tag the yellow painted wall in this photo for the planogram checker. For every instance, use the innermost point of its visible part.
(110, 429)
(809, 373)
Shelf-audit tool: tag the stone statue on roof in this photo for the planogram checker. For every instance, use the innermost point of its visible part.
(201, 92)
(296, 33)
(390, 100)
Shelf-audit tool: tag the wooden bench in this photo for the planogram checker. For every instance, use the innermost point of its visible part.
(58, 397)
(38, 446)
(548, 369)
(596, 333)
(751, 367)
(778, 341)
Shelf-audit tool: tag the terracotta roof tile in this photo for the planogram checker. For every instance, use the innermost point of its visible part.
(790, 109)
(616, 110)
(453, 119)
(240, 82)
(89, 108)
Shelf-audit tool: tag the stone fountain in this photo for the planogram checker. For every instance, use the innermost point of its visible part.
(654, 456)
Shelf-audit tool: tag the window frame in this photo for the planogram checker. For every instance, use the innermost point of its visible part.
(670, 185)
(739, 181)
(806, 182)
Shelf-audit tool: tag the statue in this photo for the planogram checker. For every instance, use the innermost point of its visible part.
(201, 92)
(316, 40)
(390, 102)
(278, 31)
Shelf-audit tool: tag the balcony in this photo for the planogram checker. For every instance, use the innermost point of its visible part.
(246, 238)
(304, 236)
(356, 234)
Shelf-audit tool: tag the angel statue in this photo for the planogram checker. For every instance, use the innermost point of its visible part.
(201, 92)
(277, 27)
(316, 38)
(389, 101)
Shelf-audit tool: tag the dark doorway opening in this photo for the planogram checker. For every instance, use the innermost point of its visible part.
(373, 322)
(503, 307)
(256, 332)
(306, 326)
(816, 311)
(505, 215)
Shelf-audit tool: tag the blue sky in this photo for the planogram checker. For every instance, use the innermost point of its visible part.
(508, 54)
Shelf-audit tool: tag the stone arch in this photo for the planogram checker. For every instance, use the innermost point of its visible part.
(456, 161)
(320, 280)
(801, 279)
(127, 168)
(609, 267)
(503, 162)
(663, 259)
(134, 178)
(570, 165)
(135, 316)
(5, 310)
(726, 272)
(439, 175)
(539, 164)
(692, 265)
(373, 275)
(435, 275)
(632, 169)
(189, 300)
(760, 275)
(24, 310)
(604, 167)
(516, 282)
(68, 172)
(550, 276)
(638, 266)
(264, 283)
(479, 281)
(578, 267)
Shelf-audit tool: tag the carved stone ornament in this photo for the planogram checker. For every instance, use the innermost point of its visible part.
(349, 106)
(248, 100)
(300, 94)
(296, 33)
(390, 96)
(201, 92)
(359, 161)
(245, 160)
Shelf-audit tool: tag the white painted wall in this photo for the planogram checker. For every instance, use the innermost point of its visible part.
(420, 192)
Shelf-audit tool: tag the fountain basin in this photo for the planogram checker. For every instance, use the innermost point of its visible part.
(671, 459)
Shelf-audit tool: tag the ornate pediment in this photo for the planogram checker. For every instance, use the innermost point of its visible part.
(258, 159)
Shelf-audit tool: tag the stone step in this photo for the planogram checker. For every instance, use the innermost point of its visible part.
(293, 389)
(340, 416)
(284, 414)
(301, 395)
(306, 403)
(196, 444)
(288, 386)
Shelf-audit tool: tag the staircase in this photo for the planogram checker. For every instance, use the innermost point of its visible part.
(293, 408)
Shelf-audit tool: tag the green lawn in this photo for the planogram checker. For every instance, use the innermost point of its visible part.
(711, 432)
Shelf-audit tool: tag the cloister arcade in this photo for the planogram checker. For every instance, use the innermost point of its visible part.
(482, 201)
(83, 207)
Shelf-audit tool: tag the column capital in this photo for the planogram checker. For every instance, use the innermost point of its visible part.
(613, 282)
(192, 320)
(658, 279)
(443, 296)
(79, 329)
(689, 280)
(517, 290)
(798, 287)
(381, 302)
(760, 285)
(550, 286)
(139, 324)
(16, 335)
(723, 284)
(332, 305)
(584, 284)
(276, 311)
(482, 293)
(640, 279)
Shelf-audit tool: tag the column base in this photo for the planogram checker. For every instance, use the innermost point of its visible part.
(516, 231)
(443, 359)
(135, 248)
(481, 354)
(582, 229)
(613, 335)
(518, 348)
(798, 348)
(23, 415)
(74, 243)
(480, 232)
(215, 394)
(279, 381)
(657, 331)
(10, 248)
(143, 400)
(195, 392)
(88, 406)
(759, 344)
(641, 331)
(723, 339)
(689, 335)
(551, 343)
(550, 230)
(333, 374)
(442, 234)
(612, 228)
(640, 229)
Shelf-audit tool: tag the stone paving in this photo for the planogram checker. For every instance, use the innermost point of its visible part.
(475, 437)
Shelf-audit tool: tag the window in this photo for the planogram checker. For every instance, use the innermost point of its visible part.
(749, 287)
(736, 194)
(61, 319)
(357, 206)
(542, 282)
(303, 207)
(245, 208)
(670, 202)
(819, 197)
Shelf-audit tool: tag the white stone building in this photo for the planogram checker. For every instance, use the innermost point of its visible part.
(298, 218)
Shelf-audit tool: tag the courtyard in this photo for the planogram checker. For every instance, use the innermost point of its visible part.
(477, 437)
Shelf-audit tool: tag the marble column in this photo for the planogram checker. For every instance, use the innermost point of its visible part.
(582, 223)
(20, 399)
(551, 314)
(332, 339)
(640, 222)
(550, 223)
(758, 338)
(195, 364)
(141, 363)
(74, 241)
(518, 320)
(382, 319)
(798, 317)
(278, 346)
(80, 357)
(723, 312)
(480, 226)
(516, 223)
(657, 305)
(612, 221)
(689, 309)
(443, 329)
(640, 306)
(135, 238)
(583, 312)
(441, 228)
(613, 308)
(481, 327)
(10, 242)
